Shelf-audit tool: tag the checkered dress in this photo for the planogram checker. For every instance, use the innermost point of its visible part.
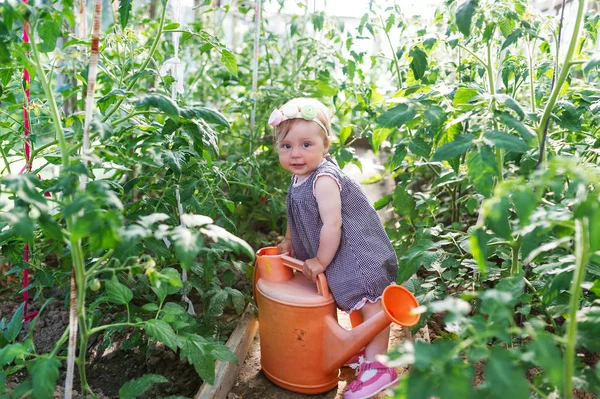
(365, 262)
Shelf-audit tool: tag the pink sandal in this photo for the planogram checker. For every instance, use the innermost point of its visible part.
(373, 377)
(356, 359)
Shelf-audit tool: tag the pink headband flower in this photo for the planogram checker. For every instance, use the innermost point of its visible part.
(307, 112)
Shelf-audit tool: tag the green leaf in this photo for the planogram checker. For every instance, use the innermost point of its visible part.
(206, 114)
(44, 374)
(506, 141)
(496, 213)
(162, 331)
(397, 116)
(187, 245)
(525, 202)
(436, 116)
(197, 350)
(420, 147)
(464, 15)
(135, 388)
(379, 136)
(373, 179)
(109, 99)
(481, 164)
(26, 188)
(418, 63)
(345, 133)
(422, 253)
(404, 203)
(511, 103)
(50, 227)
(511, 39)
(160, 101)
(237, 299)
(11, 352)
(505, 377)
(548, 356)
(382, 202)
(124, 12)
(593, 63)
(464, 95)
(400, 152)
(219, 234)
(453, 149)
(175, 160)
(16, 323)
(49, 30)
(479, 240)
(117, 292)
(526, 133)
(216, 303)
(228, 59)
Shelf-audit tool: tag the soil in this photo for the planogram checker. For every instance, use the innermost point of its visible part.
(107, 370)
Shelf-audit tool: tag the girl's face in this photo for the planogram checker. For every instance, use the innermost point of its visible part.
(302, 149)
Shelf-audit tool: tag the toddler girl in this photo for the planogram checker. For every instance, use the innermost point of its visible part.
(333, 228)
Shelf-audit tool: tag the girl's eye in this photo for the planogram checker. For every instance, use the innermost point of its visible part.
(286, 146)
(306, 145)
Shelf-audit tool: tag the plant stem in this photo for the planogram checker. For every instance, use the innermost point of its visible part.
(393, 54)
(515, 247)
(582, 249)
(490, 74)
(50, 96)
(563, 72)
(144, 64)
(531, 80)
(6, 163)
(474, 55)
(107, 326)
(77, 252)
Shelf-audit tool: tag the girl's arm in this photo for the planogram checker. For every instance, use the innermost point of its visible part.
(327, 193)
(286, 245)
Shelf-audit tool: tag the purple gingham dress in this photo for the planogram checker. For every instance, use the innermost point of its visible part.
(365, 262)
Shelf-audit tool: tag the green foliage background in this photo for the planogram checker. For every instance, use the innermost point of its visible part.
(497, 235)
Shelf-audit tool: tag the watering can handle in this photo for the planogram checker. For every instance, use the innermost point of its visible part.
(322, 287)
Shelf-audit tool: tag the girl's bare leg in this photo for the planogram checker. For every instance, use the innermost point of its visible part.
(379, 344)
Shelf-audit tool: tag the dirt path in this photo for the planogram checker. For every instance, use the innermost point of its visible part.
(251, 382)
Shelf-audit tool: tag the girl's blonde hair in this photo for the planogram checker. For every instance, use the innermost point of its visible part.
(280, 131)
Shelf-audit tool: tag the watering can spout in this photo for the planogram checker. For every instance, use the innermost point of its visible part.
(340, 344)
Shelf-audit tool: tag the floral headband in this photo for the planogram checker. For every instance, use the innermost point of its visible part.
(307, 112)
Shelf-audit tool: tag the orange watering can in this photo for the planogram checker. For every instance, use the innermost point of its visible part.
(301, 343)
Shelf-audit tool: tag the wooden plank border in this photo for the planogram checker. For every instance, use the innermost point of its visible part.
(226, 372)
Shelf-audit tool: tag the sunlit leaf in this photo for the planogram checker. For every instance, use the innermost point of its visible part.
(228, 59)
(464, 95)
(219, 234)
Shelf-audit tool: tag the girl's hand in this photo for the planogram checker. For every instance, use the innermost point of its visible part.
(286, 246)
(311, 268)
